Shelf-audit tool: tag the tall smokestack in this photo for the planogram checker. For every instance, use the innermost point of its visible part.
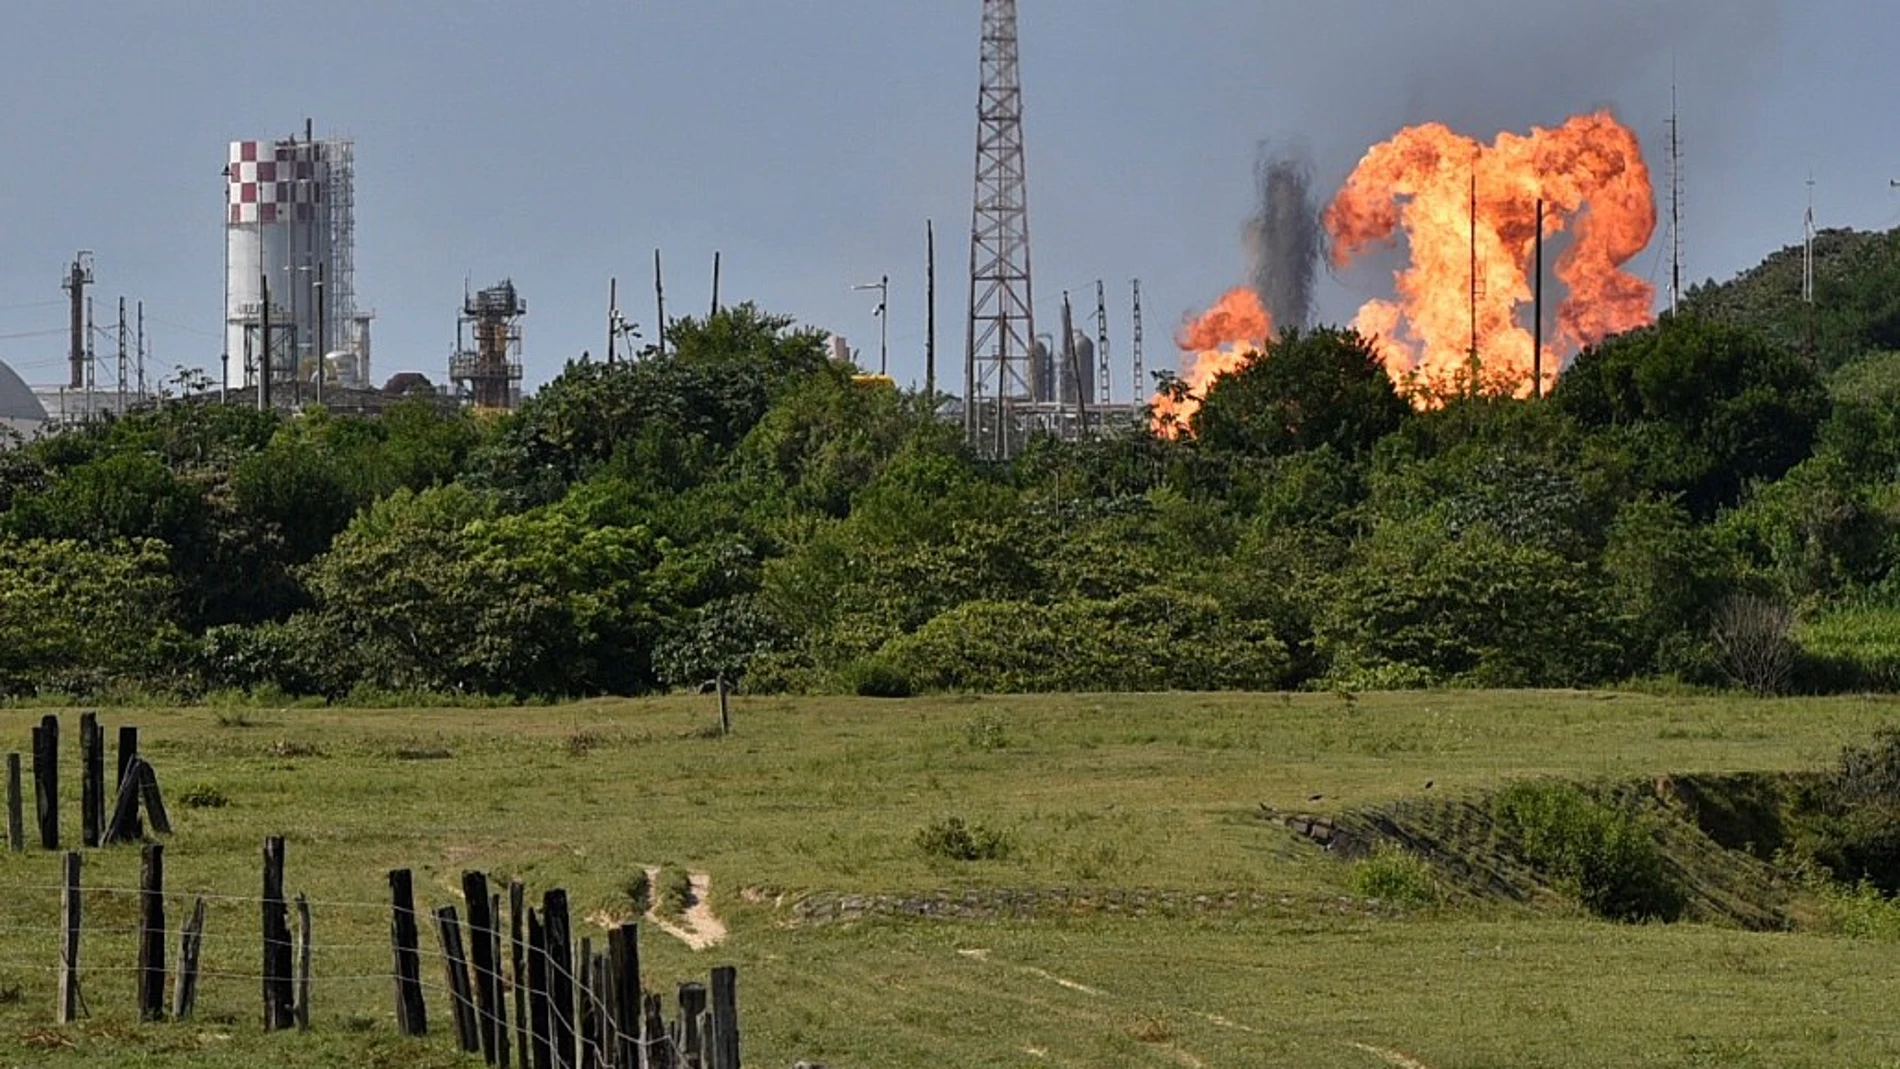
(1283, 238)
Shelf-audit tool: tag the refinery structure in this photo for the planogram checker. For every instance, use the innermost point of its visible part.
(291, 321)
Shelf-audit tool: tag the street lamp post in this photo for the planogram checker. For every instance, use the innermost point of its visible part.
(883, 288)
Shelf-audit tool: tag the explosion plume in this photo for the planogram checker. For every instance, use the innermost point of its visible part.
(1460, 202)
(1283, 238)
(1222, 339)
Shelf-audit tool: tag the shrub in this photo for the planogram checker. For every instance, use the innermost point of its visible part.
(1754, 642)
(1606, 857)
(1396, 875)
(986, 732)
(203, 796)
(876, 679)
(952, 839)
(676, 890)
(639, 891)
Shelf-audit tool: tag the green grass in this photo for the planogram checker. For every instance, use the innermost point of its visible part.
(831, 795)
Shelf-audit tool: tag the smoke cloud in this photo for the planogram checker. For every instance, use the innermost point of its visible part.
(1283, 237)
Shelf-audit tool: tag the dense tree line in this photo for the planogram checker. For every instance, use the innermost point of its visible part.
(1688, 500)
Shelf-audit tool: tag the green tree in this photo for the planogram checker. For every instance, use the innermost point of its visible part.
(1325, 388)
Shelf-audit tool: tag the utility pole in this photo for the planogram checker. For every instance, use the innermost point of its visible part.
(715, 293)
(264, 368)
(323, 335)
(659, 300)
(124, 368)
(92, 360)
(1474, 275)
(1537, 305)
(1807, 267)
(1141, 385)
(613, 317)
(930, 315)
(1103, 392)
(139, 353)
(1072, 360)
(1675, 203)
(883, 288)
(78, 277)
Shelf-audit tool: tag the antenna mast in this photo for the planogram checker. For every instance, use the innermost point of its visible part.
(1102, 370)
(1675, 203)
(1140, 383)
(1000, 343)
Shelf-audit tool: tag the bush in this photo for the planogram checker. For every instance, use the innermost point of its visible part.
(1754, 643)
(986, 732)
(950, 838)
(203, 796)
(1396, 875)
(1606, 857)
(876, 679)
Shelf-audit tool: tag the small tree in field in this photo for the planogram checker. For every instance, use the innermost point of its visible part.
(1754, 641)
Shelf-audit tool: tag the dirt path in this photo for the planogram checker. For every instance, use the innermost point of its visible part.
(1391, 1056)
(699, 929)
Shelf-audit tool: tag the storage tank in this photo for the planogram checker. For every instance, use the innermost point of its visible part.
(289, 223)
(1081, 371)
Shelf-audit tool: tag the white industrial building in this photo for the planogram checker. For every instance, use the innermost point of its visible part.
(290, 232)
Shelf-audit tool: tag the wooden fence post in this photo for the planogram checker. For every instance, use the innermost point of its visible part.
(692, 1007)
(190, 944)
(659, 1054)
(538, 1034)
(46, 780)
(92, 770)
(279, 994)
(725, 706)
(448, 929)
(154, 802)
(481, 938)
(503, 1038)
(517, 948)
(586, 1046)
(303, 959)
(69, 940)
(152, 933)
(560, 952)
(623, 953)
(725, 1018)
(412, 1017)
(16, 820)
(124, 823)
(128, 751)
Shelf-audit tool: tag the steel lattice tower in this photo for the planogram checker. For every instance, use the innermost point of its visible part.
(998, 370)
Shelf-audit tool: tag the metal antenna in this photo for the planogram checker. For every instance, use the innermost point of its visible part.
(1141, 385)
(78, 277)
(1675, 202)
(999, 366)
(1104, 394)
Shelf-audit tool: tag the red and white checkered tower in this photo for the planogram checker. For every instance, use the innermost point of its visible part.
(290, 224)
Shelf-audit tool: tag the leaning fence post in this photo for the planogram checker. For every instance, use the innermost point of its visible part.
(16, 820)
(279, 994)
(152, 933)
(412, 1017)
(190, 942)
(481, 946)
(69, 939)
(503, 1039)
(154, 802)
(46, 780)
(455, 965)
(725, 1018)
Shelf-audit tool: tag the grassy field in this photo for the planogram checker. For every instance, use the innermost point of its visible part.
(828, 795)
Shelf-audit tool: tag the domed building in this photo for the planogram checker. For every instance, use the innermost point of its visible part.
(19, 409)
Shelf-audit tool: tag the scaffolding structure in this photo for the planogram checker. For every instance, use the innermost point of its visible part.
(489, 375)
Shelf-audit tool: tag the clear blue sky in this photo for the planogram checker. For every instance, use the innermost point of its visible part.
(559, 143)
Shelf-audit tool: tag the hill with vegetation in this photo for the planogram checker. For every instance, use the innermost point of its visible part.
(1695, 501)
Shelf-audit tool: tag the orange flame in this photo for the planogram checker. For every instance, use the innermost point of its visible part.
(1592, 178)
(1221, 340)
